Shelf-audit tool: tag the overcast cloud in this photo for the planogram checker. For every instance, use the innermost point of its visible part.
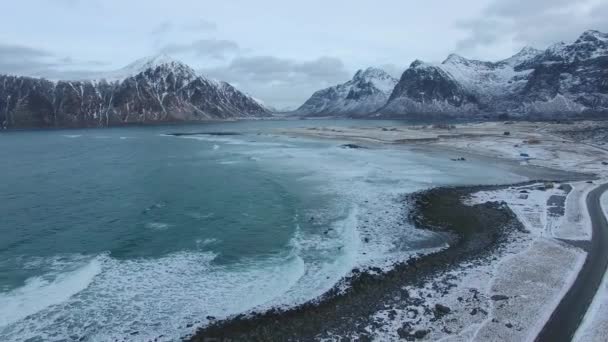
(278, 51)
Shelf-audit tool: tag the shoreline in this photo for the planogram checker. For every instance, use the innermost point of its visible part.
(347, 312)
(354, 313)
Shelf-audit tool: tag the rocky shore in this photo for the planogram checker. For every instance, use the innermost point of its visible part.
(349, 311)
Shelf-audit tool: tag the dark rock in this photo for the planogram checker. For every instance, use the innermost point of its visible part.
(509, 325)
(507, 133)
(442, 309)
(499, 297)
(353, 146)
(419, 334)
(404, 331)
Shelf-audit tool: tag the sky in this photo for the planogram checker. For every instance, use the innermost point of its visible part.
(275, 50)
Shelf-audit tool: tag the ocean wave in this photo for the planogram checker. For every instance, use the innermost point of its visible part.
(144, 299)
(40, 292)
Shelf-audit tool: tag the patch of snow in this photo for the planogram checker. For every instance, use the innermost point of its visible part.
(529, 203)
(576, 224)
(529, 274)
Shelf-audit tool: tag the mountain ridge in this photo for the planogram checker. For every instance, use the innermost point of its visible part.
(563, 80)
(149, 90)
(566, 79)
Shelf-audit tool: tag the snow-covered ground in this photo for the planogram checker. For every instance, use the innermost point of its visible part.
(507, 297)
(577, 224)
(595, 323)
(528, 143)
(530, 147)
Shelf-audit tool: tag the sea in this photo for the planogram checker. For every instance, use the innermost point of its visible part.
(138, 233)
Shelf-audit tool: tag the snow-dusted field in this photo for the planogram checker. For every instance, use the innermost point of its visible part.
(528, 143)
(507, 297)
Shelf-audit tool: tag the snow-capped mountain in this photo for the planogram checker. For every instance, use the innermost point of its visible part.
(155, 89)
(365, 93)
(565, 79)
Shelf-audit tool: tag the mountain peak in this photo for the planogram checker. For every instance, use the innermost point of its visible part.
(370, 73)
(529, 50)
(592, 35)
(527, 53)
(152, 62)
(418, 63)
(365, 93)
(455, 58)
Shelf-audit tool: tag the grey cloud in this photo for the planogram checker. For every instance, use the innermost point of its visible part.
(19, 51)
(214, 48)
(393, 70)
(322, 67)
(533, 22)
(28, 61)
(15, 59)
(274, 68)
(281, 81)
(516, 8)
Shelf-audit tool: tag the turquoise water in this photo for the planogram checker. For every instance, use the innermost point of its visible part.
(131, 234)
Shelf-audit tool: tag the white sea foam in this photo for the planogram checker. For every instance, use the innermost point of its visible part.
(157, 225)
(72, 136)
(236, 140)
(228, 162)
(327, 260)
(149, 298)
(39, 293)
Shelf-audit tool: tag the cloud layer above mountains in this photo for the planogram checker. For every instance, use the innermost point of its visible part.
(280, 52)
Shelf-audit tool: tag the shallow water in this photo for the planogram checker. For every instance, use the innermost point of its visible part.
(129, 233)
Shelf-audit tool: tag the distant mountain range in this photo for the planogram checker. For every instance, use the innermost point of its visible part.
(156, 89)
(563, 80)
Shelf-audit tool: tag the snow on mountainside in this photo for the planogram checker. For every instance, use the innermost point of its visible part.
(565, 79)
(365, 93)
(156, 89)
(143, 64)
(526, 54)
